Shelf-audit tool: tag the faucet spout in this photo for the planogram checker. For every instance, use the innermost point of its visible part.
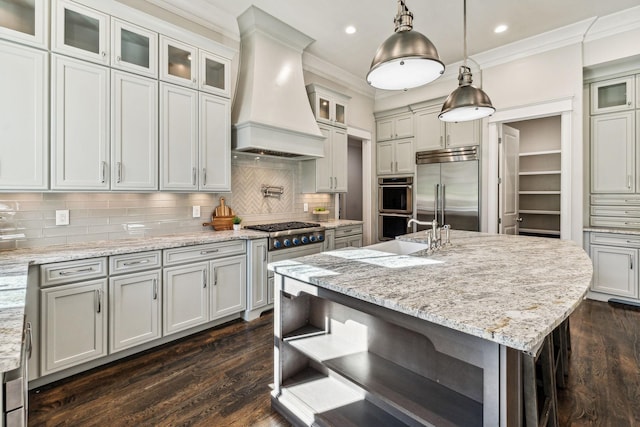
(411, 221)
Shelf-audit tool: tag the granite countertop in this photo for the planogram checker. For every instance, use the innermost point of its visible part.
(14, 265)
(335, 223)
(630, 231)
(512, 290)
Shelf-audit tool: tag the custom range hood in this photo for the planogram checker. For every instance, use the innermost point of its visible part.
(271, 114)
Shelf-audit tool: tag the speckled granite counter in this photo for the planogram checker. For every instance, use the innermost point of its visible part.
(14, 267)
(511, 290)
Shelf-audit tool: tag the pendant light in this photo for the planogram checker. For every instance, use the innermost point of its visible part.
(467, 102)
(407, 59)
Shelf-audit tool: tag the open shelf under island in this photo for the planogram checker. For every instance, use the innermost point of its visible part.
(365, 337)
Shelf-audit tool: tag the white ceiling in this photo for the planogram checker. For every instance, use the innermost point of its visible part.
(439, 20)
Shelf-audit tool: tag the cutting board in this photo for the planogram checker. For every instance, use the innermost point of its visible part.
(222, 209)
(221, 217)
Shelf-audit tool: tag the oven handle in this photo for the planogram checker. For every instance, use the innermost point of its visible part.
(394, 186)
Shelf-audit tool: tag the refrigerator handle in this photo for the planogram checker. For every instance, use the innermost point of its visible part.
(442, 206)
(435, 201)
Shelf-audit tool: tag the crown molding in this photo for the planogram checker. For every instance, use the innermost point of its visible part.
(609, 25)
(330, 71)
(555, 39)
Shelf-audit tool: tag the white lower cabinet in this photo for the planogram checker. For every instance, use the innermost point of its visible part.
(134, 309)
(185, 297)
(615, 270)
(257, 279)
(227, 293)
(348, 237)
(73, 324)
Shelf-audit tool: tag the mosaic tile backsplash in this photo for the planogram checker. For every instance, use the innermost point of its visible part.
(28, 219)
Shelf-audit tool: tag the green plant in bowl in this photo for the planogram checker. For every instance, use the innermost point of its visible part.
(237, 220)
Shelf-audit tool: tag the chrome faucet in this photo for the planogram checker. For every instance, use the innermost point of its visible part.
(434, 233)
(418, 222)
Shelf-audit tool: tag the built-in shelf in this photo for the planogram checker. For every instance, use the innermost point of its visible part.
(538, 212)
(540, 231)
(326, 346)
(304, 332)
(539, 192)
(357, 414)
(534, 173)
(540, 153)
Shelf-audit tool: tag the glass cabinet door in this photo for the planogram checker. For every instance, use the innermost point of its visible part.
(214, 73)
(25, 21)
(177, 62)
(613, 95)
(80, 32)
(324, 108)
(134, 48)
(340, 113)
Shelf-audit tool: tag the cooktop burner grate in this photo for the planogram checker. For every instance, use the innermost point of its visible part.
(282, 226)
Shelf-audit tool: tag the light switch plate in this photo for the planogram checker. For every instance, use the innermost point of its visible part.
(62, 217)
(196, 211)
(306, 207)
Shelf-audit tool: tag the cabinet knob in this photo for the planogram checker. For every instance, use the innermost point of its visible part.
(118, 58)
(103, 53)
(194, 81)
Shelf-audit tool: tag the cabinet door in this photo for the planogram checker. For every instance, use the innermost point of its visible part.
(134, 132)
(73, 324)
(324, 171)
(613, 153)
(177, 62)
(134, 48)
(24, 85)
(215, 143)
(613, 95)
(214, 74)
(185, 297)
(615, 270)
(385, 158)
(134, 309)
(384, 129)
(429, 131)
(257, 286)
(228, 286)
(80, 32)
(178, 138)
(339, 150)
(462, 134)
(25, 22)
(80, 125)
(340, 113)
(403, 126)
(329, 240)
(404, 156)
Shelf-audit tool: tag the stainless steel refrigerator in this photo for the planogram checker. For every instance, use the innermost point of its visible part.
(447, 187)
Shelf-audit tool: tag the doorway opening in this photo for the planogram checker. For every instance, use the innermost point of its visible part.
(351, 202)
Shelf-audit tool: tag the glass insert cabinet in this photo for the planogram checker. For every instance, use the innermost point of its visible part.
(613, 95)
(25, 21)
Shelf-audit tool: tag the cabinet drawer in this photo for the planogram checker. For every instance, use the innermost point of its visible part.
(130, 263)
(620, 211)
(616, 199)
(615, 222)
(72, 271)
(348, 230)
(624, 240)
(203, 252)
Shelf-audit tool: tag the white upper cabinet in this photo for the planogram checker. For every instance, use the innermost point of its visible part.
(80, 32)
(395, 157)
(24, 130)
(429, 130)
(178, 138)
(613, 153)
(79, 125)
(134, 49)
(177, 62)
(394, 127)
(328, 106)
(613, 95)
(215, 143)
(25, 21)
(214, 74)
(134, 132)
(462, 134)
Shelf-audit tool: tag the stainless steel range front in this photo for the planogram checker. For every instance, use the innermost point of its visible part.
(291, 235)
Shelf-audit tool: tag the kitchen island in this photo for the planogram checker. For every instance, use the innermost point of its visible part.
(374, 338)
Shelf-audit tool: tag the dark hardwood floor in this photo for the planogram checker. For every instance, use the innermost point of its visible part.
(220, 378)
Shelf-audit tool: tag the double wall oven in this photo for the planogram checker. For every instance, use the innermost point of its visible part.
(395, 206)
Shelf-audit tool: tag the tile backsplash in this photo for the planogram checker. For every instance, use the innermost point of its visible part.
(28, 219)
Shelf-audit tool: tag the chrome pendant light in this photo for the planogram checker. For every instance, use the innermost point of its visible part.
(467, 102)
(407, 59)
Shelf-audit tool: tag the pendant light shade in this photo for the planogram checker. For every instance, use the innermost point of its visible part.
(407, 59)
(467, 102)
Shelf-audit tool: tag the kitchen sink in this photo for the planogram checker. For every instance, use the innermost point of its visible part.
(399, 247)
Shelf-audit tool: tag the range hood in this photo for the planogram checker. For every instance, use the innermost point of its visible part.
(271, 114)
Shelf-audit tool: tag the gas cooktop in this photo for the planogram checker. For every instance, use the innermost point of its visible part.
(282, 226)
(284, 235)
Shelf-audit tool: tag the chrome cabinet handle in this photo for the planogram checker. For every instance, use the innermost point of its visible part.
(119, 166)
(103, 166)
(441, 141)
(633, 242)
(155, 289)
(193, 176)
(204, 279)
(29, 339)
(448, 139)
(209, 251)
(204, 176)
(629, 181)
(264, 254)
(391, 166)
(99, 300)
(215, 276)
(335, 178)
(630, 262)
(396, 166)
(142, 261)
(69, 272)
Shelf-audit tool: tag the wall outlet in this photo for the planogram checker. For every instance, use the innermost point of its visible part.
(196, 211)
(306, 207)
(62, 217)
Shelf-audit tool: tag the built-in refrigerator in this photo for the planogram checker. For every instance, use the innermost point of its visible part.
(447, 187)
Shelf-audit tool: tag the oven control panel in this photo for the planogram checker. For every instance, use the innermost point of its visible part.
(297, 239)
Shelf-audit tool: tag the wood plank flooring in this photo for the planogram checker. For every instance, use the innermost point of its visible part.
(220, 378)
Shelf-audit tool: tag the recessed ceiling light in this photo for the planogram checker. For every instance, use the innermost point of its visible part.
(500, 28)
(350, 29)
